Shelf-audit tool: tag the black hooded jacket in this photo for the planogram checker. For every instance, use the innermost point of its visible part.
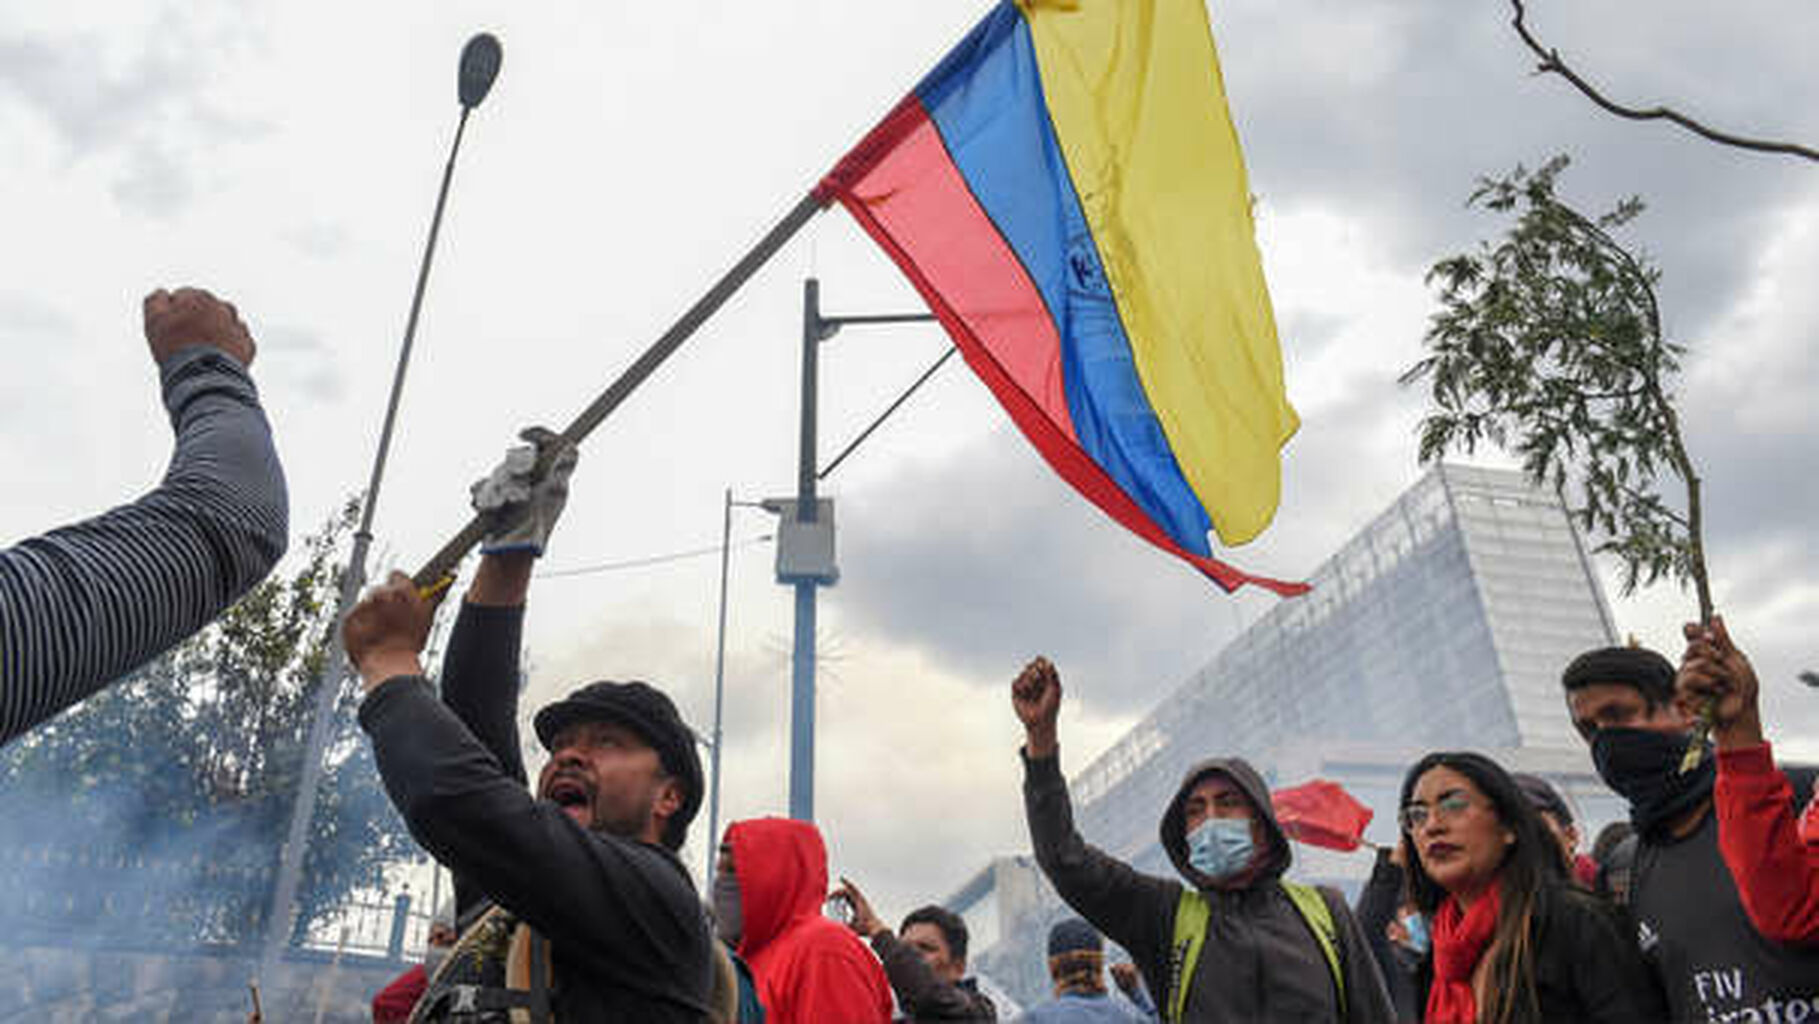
(1260, 961)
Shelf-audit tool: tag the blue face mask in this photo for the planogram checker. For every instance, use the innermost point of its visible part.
(1220, 846)
(1418, 939)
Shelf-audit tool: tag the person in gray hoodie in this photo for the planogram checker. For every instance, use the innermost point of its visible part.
(1260, 949)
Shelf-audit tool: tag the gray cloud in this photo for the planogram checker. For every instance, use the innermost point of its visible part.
(35, 333)
(318, 239)
(140, 116)
(1390, 111)
(27, 317)
(304, 361)
(152, 181)
(990, 559)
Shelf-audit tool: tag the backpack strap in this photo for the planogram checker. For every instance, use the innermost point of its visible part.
(1193, 913)
(1319, 918)
(528, 974)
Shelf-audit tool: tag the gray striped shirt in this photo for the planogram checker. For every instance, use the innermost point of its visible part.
(87, 603)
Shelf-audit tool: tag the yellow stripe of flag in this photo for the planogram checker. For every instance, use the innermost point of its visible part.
(1139, 108)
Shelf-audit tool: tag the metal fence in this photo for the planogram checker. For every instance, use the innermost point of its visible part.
(117, 898)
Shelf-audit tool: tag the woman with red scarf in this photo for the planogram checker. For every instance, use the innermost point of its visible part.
(1514, 942)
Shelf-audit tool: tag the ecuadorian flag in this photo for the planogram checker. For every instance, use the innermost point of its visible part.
(1067, 192)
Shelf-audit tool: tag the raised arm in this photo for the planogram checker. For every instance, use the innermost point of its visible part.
(1131, 908)
(1777, 875)
(473, 817)
(86, 603)
(920, 993)
(480, 669)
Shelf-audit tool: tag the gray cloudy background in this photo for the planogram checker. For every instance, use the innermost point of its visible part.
(286, 154)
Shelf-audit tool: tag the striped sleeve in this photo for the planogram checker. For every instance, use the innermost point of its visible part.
(84, 604)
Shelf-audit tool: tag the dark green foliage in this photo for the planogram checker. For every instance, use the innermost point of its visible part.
(155, 811)
(1549, 345)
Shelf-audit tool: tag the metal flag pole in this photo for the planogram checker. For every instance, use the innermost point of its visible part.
(444, 560)
(479, 66)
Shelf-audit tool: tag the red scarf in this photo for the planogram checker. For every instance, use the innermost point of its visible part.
(1460, 938)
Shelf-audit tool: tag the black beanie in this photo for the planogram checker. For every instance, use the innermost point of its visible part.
(645, 710)
(1650, 673)
(1072, 935)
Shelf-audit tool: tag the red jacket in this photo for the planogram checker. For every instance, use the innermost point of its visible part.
(394, 1003)
(809, 970)
(1777, 874)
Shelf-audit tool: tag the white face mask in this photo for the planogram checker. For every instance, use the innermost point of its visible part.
(1220, 846)
(433, 958)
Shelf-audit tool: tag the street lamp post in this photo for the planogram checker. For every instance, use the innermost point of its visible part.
(479, 65)
(803, 527)
(713, 800)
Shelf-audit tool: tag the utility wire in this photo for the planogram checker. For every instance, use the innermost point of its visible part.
(638, 563)
(886, 414)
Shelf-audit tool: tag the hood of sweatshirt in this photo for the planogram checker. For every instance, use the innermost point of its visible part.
(1275, 857)
(781, 865)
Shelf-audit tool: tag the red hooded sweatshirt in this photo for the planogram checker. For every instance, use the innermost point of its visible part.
(809, 970)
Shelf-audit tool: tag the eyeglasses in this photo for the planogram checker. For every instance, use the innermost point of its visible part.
(1449, 807)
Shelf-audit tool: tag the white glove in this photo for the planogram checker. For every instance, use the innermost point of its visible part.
(522, 509)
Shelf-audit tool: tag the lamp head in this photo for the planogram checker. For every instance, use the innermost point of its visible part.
(479, 66)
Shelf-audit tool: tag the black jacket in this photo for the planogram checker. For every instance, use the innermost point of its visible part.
(629, 937)
(1587, 966)
(1260, 961)
(922, 996)
(1378, 902)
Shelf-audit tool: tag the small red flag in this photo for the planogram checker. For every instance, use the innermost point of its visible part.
(1322, 813)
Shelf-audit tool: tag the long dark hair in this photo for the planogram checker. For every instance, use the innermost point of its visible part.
(1530, 871)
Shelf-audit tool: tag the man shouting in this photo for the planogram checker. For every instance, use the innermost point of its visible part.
(597, 916)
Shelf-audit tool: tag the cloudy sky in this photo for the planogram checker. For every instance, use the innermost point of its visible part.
(286, 154)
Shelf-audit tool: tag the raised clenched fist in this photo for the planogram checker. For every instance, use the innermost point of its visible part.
(177, 320)
(1036, 697)
(386, 631)
(1715, 674)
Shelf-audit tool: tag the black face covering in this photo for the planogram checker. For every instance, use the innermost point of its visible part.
(1644, 767)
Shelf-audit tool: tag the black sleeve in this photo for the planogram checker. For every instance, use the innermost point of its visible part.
(921, 995)
(480, 679)
(625, 908)
(1377, 905)
(1134, 910)
(1380, 896)
(480, 684)
(1366, 999)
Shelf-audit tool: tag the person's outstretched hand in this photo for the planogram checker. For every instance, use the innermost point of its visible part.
(1129, 982)
(865, 921)
(176, 320)
(386, 631)
(521, 505)
(1036, 696)
(1714, 670)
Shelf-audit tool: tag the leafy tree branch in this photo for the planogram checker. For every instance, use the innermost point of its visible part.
(1549, 344)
